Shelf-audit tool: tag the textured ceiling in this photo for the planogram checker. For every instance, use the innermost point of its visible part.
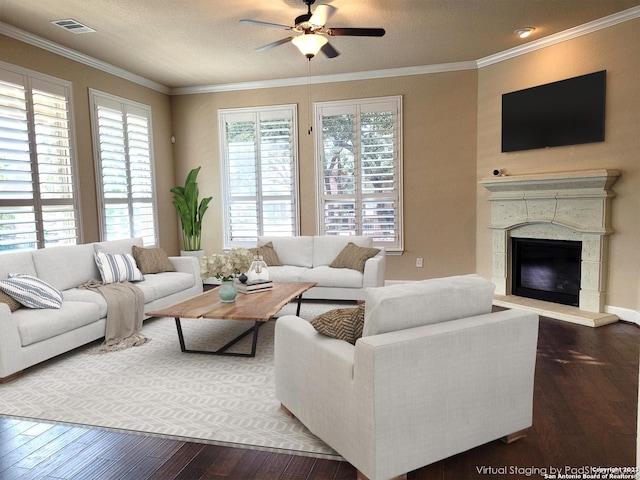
(201, 42)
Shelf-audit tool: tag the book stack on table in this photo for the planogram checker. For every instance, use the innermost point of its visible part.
(253, 287)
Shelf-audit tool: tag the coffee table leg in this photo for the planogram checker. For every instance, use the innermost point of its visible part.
(222, 350)
(180, 335)
(299, 303)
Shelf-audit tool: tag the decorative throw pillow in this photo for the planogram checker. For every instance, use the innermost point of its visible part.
(9, 300)
(354, 257)
(31, 291)
(118, 267)
(341, 323)
(152, 260)
(268, 253)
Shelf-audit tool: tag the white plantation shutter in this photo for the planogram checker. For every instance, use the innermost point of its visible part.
(37, 157)
(259, 171)
(359, 159)
(122, 144)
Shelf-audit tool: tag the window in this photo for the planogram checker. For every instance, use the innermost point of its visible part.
(359, 161)
(37, 162)
(259, 173)
(126, 187)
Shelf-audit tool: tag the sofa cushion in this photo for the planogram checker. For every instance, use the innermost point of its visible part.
(89, 296)
(34, 327)
(118, 267)
(66, 266)
(296, 251)
(354, 257)
(408, 305)
(165, 284)
(152, 260)
(327, 247)
(31, 291)
(287, 273)
(269, 254)
(19, 262)
(118, 246)
(331, 277)
(10, 301)
(341, 323)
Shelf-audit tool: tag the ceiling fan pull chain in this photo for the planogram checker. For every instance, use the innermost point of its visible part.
(310, 114)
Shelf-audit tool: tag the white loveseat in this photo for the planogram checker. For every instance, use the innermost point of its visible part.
(307, 259)
(434, 374)
(29, 336)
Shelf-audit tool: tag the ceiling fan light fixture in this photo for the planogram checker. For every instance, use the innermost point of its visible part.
(309, 44)
(524, 32)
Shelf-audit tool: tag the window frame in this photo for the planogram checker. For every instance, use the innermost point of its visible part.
(98, 98)
(358, 105)
(30, 80)
(254, 113)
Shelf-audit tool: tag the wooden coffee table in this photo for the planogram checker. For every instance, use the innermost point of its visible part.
(257, 307)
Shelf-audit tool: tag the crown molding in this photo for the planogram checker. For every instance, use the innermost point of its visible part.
(318, 79)
(580, 30)
(36, 41)
(605, 22)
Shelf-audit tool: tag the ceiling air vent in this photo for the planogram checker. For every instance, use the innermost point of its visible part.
(73, 26)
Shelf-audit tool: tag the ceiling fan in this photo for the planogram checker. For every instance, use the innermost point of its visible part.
(313, 32)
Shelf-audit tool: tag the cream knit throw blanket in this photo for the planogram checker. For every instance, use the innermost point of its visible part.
(125, 312)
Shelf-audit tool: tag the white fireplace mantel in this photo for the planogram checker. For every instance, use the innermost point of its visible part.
(559, 206)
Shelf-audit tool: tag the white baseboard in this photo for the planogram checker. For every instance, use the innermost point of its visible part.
(625, 314)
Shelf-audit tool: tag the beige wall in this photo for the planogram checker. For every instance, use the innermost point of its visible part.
(82, 78)
(451, 140)
(439, 161)
(617, 50)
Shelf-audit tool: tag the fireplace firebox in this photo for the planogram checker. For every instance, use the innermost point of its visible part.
(547, 269)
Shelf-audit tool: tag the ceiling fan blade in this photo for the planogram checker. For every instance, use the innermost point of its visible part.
(265, 24)
(356, 32)
(274, 44)
(321, 15)
(329, 51)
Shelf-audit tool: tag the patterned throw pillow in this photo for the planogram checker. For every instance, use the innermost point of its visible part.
(354, 257)
(31, 291)
(341, 323)
(118, 267)
(268, 253)
(9, 300)
(152, 260)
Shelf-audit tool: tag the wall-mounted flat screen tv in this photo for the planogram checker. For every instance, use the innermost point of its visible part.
(567, 112)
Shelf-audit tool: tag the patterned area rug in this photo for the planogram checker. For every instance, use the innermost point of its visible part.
(157, 389)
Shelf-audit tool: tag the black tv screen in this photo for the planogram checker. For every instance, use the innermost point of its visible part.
(567, 112)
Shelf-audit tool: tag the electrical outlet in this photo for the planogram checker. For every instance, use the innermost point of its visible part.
(419, 262)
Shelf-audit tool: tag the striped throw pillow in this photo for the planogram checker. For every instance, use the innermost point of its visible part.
(31, 291)
(118, 267)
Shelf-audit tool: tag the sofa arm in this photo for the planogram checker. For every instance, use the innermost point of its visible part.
(186, 264)
(10, 342)
(374, 270)
(303, 359)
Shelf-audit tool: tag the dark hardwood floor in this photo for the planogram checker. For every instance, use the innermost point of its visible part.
(585, 414)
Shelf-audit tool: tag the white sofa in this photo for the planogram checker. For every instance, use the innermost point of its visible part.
(29, 336)
(434, 374)
(307, 259)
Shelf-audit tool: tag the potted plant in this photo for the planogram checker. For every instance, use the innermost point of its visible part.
(191, 212)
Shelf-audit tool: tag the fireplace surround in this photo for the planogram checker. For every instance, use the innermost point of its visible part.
(572, 206)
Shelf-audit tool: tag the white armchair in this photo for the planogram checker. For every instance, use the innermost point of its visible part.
(434, 375)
